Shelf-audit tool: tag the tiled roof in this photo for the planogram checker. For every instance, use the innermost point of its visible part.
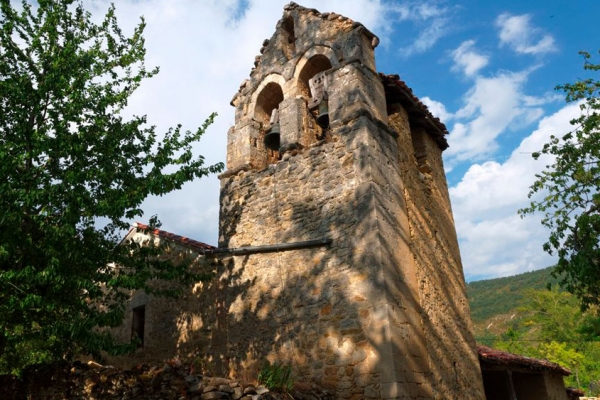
(397, 91)
(175, 238)
(574, 393)
(498, 357)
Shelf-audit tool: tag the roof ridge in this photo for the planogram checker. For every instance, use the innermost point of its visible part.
(503, 357)
(396, 88)
(174, 237)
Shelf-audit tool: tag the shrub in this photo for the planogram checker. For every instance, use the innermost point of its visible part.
(276, 377)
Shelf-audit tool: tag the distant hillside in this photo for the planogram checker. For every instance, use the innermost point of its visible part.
(494, 297)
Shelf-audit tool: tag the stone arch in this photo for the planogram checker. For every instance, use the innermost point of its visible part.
(267, 97)
(314, 60)
(269, 80)
(267, 100)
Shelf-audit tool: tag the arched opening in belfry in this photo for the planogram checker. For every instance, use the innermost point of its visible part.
(313, 66)
(266, 113)
(313, 85)
(289, 39)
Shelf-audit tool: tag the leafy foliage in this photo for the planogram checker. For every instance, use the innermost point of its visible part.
(276, 377)
(547, 324)
(552, 326)
(563, 354)
(74, 173)
(572, 200)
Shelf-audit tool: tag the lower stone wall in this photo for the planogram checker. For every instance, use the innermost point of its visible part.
(170, 381)
(381, 313)
(316, 309)
(174, 327)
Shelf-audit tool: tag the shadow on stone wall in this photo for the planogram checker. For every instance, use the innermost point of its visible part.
(381, 305)
(347, 317)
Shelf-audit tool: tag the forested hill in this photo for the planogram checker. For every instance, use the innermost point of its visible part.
(492, 297)
(519, 315)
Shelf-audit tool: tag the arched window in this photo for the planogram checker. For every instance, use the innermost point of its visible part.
(267, 101)
(316, 64)
(317, 108)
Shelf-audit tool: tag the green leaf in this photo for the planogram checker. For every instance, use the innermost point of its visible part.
(571, 192)
(68, 160)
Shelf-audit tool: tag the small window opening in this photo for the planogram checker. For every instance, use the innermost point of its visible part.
(137, 325)
(289, 45)
(267, 115)
(420, 149)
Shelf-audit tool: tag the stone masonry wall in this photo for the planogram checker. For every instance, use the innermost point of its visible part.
(434, 246)
(181, 327)
(360, 317)
(326, 311)
(381, 312)
(300, 306)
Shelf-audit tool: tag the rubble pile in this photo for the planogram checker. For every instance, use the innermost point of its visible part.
(172, 381)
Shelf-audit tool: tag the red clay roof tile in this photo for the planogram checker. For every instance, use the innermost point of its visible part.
(397, 91)
(175, 238)
(498, 357)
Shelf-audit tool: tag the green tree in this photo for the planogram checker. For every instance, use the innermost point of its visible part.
(551, 325)
(572, 200)
(74, 173)
(565, 356)
(554, 315)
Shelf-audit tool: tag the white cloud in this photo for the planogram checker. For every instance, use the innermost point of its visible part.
(428, 37)
(467, 60)
(492, 106)
(541, 100)
(437, 109)
(431, 20)
(494, 240)
(517, 32)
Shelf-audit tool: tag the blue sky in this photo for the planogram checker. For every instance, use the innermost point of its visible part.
(488, 69)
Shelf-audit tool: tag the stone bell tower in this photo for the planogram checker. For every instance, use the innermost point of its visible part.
(347, 264)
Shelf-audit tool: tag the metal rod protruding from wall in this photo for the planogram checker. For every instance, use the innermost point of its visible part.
(270, 248)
